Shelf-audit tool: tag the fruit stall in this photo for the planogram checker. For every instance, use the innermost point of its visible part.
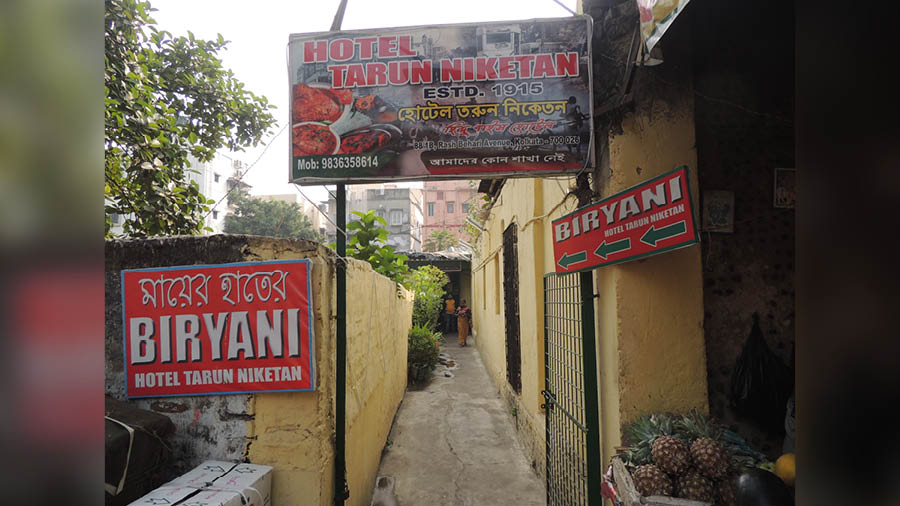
(691, 460)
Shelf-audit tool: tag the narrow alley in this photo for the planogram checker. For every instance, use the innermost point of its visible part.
(453, 442)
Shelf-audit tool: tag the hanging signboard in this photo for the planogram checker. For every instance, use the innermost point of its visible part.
(441, 102)
(647, 219)
(656, 17)
(218, 329)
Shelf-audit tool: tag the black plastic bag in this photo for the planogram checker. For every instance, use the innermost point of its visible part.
(761, 383)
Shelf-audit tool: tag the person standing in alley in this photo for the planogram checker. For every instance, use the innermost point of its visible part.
(449, 314)
(464, 321)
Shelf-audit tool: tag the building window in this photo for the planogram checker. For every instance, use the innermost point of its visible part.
(431, 209)
(216, 177)
(450, 207)
(465, 207)
(115, 218)
(440, 195)
(396, 217)
(216, 214)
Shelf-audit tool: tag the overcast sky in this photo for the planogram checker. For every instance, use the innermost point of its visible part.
(259, 32)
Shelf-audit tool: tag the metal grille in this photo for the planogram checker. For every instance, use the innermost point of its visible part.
(567, 448)
(511, 307)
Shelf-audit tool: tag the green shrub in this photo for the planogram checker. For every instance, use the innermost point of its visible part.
(423, 352)
(427, 282)
(368, 242)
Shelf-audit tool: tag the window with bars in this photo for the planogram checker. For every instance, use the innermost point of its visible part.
(450, 207)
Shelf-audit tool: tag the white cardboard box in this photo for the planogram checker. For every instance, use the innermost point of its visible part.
(215, 483)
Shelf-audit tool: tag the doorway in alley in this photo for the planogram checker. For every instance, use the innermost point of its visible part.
(511, 307)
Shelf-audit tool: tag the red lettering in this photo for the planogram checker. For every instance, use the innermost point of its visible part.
(387, 47)
(315, 51)
(341, 49)
(376, 74)
(485, 69)
(468, 69)
(356, 75)
(337, 75)
(567, 64)
(366, 47)
(524, 64)
(398, 72)
(404, 46)
(543, 66)
(506, 68)
(421, 72)
(451, 70)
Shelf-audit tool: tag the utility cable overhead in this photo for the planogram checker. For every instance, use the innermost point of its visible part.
(213, 208)
(565, 7)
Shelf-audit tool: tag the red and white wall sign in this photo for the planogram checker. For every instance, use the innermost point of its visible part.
(647, 219)
(218, 329)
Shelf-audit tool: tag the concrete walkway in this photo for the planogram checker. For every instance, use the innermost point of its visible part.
(453, 442)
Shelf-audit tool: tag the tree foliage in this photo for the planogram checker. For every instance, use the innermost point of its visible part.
(427, 283)
(270, 218)
(368, 241)
(478, 214)
(167, 98)
(439, 240)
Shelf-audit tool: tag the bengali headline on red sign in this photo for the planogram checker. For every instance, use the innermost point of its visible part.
(218, 329)
(501, 99)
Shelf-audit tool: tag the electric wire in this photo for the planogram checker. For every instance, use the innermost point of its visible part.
(213, 208)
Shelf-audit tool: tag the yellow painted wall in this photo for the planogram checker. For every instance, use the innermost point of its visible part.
(294, 432)
(651, 352)
(379, 315)
(528, 204)
(649, 314)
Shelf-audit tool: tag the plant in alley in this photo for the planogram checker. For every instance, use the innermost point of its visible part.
(423, 354)
(427, 282)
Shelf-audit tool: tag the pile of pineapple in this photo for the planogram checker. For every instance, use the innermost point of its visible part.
(686, 456)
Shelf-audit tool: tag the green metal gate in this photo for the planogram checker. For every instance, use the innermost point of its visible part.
(572, 420)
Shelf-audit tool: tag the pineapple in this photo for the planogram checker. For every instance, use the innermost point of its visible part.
(650, 440)
(710, 458)
(671, 455)
(639, 435)
(650, 480)
(725, 491)
(697, 487)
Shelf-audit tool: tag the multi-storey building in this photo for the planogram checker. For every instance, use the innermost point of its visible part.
(446, 206)
(402, 208)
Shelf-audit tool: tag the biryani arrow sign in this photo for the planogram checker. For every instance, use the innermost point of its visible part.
(651, 218)
(568, 260)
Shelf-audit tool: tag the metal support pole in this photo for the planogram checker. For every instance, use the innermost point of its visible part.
(591, 409)
(341, 490)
